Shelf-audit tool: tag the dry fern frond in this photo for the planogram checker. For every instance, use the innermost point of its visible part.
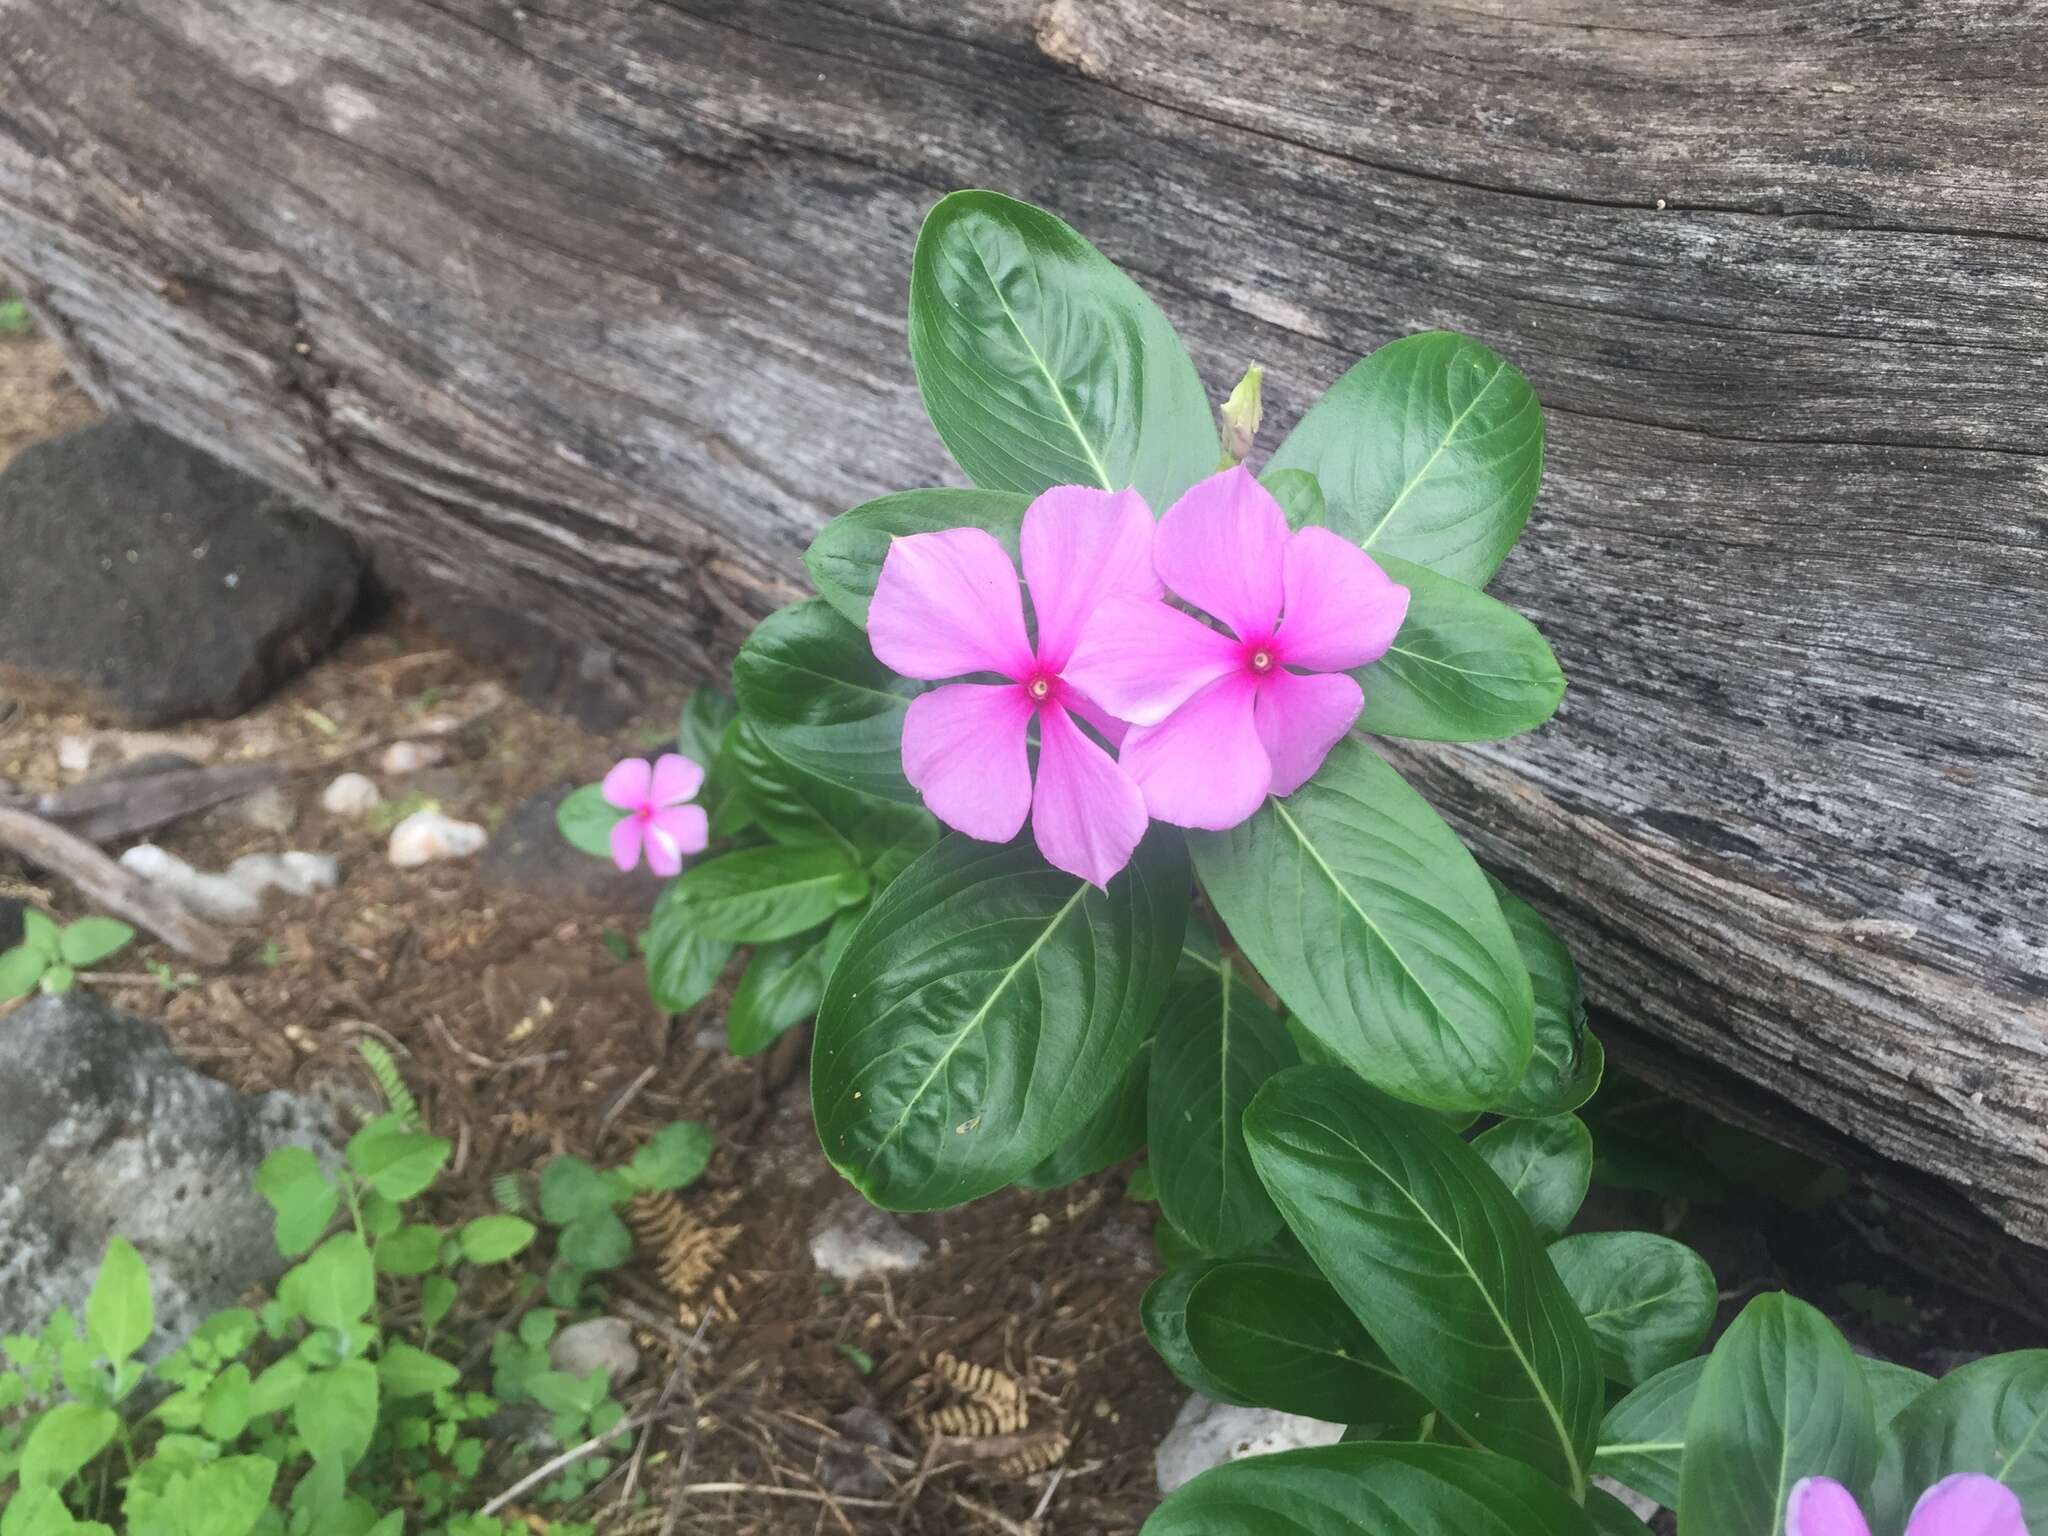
(985, 1384)
(975, 1421)
(688, 1250)
(1048, 1450)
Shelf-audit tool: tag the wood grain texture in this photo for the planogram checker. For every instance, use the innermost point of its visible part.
(599, 308)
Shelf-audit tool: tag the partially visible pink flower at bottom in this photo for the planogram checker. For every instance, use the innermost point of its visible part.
(1968, 1504)
(658, 820)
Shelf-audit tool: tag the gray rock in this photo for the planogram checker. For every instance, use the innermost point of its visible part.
(848, 1471)
(103, 1130)
(604, 1343)
(270, 809)
(1207, 1434)
(854, 1241)
(528, 854)
(157, 582)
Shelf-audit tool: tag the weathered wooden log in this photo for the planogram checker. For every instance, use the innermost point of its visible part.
(598, 309)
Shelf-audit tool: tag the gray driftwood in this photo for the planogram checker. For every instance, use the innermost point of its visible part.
(599, 308)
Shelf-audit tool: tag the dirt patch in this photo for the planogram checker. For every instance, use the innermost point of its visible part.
(37, 397)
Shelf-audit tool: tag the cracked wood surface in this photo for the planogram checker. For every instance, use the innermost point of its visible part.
(598, 308)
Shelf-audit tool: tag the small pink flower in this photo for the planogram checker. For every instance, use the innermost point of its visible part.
(1968, 1504)
(1224, 719)
(657, 817)
(947, 605)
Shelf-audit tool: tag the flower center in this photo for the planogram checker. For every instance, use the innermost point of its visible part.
(1039, 688)
(1262, 660)
(645, 813)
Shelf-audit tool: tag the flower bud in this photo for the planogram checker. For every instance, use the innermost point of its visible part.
(1240, 415)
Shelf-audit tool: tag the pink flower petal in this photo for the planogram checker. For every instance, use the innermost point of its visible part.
(963, 750)
(1204, 765)
(1111, 729)
(625, 787)
(1342, 609)
(676, 778)
(675, 833)
(1820, 1506)
(1222, 547)
(946, 604)
(1142, 660)
(1300, 718)
(626, 836)
(1968, 1504)
(1086, 812)
(1082, 546)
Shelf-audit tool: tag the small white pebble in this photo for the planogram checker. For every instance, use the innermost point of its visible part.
(403, 757)
(1660, 205)
(74, 753)
(232, 579)
(353, 794)
(425, 837)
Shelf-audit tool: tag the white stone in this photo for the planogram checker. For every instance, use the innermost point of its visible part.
(236, 895)
(426, 837)
(403, 757)
(1207, 1434)
(353, 794)
(1638, 1504)
(853, 1241)
(74, 753)
(596, 1342)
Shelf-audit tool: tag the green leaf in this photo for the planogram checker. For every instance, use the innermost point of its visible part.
(278, 1387)
(1781, 1398)
(58, 979)
(1567, 1063)
(494, 1239)
(41, 935)
(63, 1441)
(780, 988)
(1366, 914)
(1431, 450)
(1217, 1043)
(227, 1497)
(797, 807)
(979, 991)
(683, 966)
(399, 1164)
(119, 1314)
(1299, 494)
(585, 819)
(1610, 1516)
(337, 1286)
(1463, 668)
(92, 939)
(570, 1187)
(761, 894)
(227, 1408)
(701, 730)
(335, 1412)
(20, 969)
(1283, 1338)
(304, 1198)
(808, 683)
(1111, 1134)
(1893, 1388)
(677, 1155)
(413, 1250)
(1649, 1301)
(405, 1371)
(1546, 1164)
(1041, 364)
(596, 1240)
(437, 1297)
(1164, 1312)
(845, 559)
(1438, 1261)
(1990, 1416)
(1384, 1488)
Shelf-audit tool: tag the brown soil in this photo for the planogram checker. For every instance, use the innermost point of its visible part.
(523, 1037)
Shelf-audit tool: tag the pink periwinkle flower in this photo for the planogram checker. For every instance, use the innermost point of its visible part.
(1968, 1504)
(657, 818)
(947, 605)
(1223, 719)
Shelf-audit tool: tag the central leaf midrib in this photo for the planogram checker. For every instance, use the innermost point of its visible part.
(1429, 463)
(1045, 369)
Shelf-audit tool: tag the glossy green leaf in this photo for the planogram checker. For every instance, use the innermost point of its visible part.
(1437, 1259)
(683, 966)
(92, 939)
(1546, 1164)
(758, 895)
(1893, 1387)
(1611, 1517)
(796, 807)
(1781, 1398)
(494, 1239)
(1216, 1045)
(335, 1412)
(20, 969)
(1990, 1416)
(1370, 1488)
(1299, 495)
(337, 1285)
(63, 1441)
(1283, 1338)
(807, 682)
(780, 988)
(1366, 914)
(845, 559)
(1111, 1134)
(1463, 668)
(1567, 1063)
(1431, 449)
(1041, 364)
(119, 1314)
(1164, 1312)
(980, 1008)
(701, 729)
(585, 819)
(1649, 1301)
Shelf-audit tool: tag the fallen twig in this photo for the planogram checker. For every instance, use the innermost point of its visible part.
(122, 893)
(568, 1458)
